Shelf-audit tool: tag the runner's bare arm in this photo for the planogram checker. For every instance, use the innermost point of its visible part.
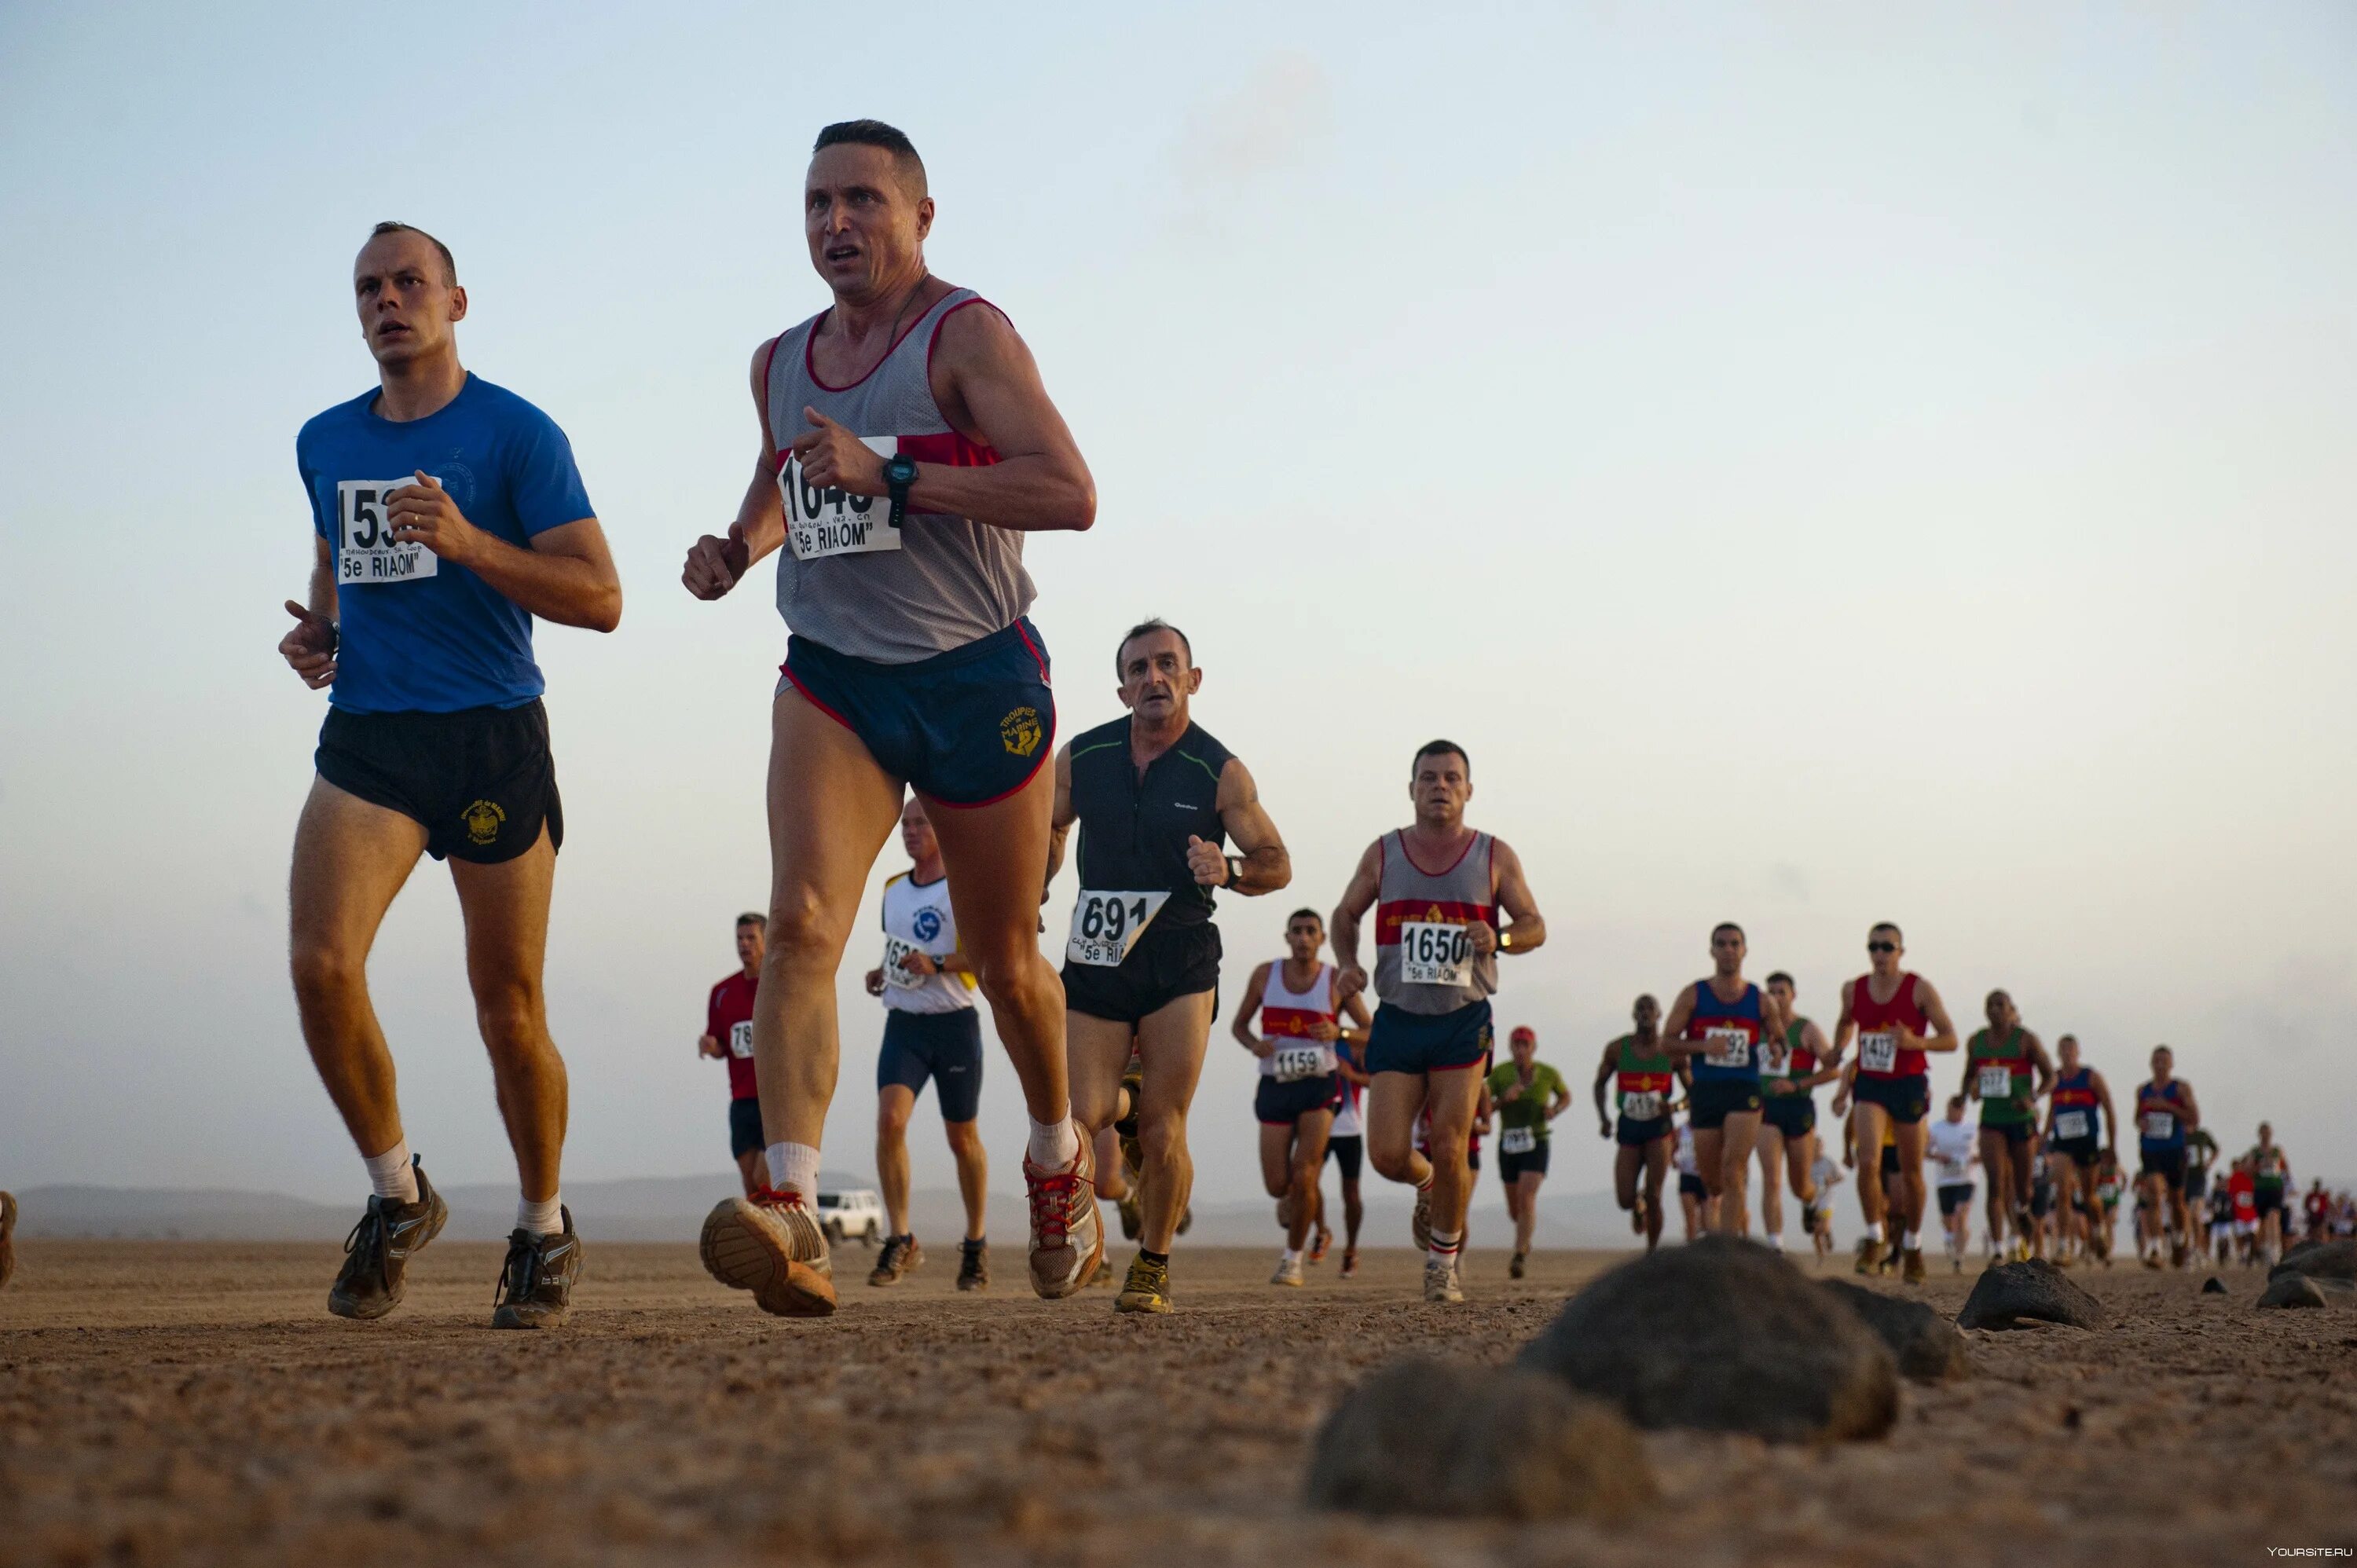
(2192, 1114)
(1828, 1055)
(1560, 1102)
(1061, 824)
(2111, 1121)
(1604, 1069)
(1266, 866)
(1673, 1028)
(707, 1046)
(1845, 1028)
(1361, 1024)
(1525, 927)
(309, 648)
(1248, 1004)
(1358, 897)
(716, 563)
(988, 387)
(1942, 1036)
(2045, 1066)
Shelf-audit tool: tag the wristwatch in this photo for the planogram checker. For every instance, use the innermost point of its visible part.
(1505, 941)
(900, 473)
(1236, 870)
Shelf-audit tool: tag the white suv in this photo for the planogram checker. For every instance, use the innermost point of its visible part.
(854, 1213)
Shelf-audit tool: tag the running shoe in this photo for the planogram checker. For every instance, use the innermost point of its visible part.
(1514, 1269)
(900, 1257)
(1133, 1213)
(1808, 1218)
(770, 1244)
(1103, 1278)
(1440, 1282)
(1350, 1262)
(1147, 1289)
(1186, 1219)
(1066, 1235)
(1319, 1244)
(1869, 1255)
(1914, 1271)
(535, 1288)
(1419, 1224)
(376, 1254)
(973, 1265)
(1289, 1273)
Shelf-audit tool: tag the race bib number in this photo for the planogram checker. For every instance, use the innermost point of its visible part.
(1106, 926)
(1729, 1048)
(1518, 1140)
(1434, 954)
(2159, 1125)
(1294, 1063)
(895, 951)
(366, 552)
(1997, 1083)
(820, 523)
(2071, 1124)
(1956, 1173)
(740, 1040)
(1878, 1053)
(1775, 1060)
(1644, 1105)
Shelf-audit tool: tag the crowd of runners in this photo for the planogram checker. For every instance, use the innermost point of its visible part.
(906, 445)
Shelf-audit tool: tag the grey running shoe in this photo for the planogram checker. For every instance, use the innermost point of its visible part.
(1066, 1234)
(973, 1265)
(900, 1256)
(535, 1287)
(1419, 1224)
(770, 1244)
(376, 1254)
(1440, 1282)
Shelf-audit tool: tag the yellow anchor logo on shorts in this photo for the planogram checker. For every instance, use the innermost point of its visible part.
(482, 821)
(1020, 731)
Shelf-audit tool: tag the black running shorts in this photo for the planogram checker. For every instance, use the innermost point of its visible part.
(1168, 963)
(479, 780)
(1347, 1150)
(1954, 1195)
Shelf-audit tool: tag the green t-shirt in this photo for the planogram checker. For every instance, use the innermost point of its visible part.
(1529, 1110)
(2001, 1071)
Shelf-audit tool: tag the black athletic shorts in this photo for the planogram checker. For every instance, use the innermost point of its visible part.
(1714, 1100)
(2265, 1198)
(2041, 1199)
(1168, 963)
(2169, 1164)
(964, 727)
(1637, 1134)
(943, 1047)
(479, 780)
(1511, 1166)
(1692, 1185)
(1794, 1114)
(2014, 1131)
(1473, 1159)
(1889, 1159)
(1908, 1100)
(1346, 1150)
(2081, 1152)
(745, 1127)
(1954, 1195)
(2197, 1180)
(1278, 1104)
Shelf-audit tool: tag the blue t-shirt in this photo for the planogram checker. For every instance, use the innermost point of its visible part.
(422, 635)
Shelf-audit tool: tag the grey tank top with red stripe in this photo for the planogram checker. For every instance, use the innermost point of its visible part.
(1419, 921)
(953, 581)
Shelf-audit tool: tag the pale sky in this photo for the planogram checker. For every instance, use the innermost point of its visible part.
(1827, 463)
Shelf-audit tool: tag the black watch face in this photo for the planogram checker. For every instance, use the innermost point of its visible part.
(900, 471)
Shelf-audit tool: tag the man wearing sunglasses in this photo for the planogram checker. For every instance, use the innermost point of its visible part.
(1896, 1018)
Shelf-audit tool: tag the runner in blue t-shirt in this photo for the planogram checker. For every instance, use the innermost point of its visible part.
(448, 513)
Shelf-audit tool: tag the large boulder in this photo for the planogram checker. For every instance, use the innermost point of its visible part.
(2293, 1290)
(1442, 1437)
(1928, 1346)
(1725, 1336)
(2319, 1261)
(2011, 1295)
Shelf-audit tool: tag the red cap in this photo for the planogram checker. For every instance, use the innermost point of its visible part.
(1523, 1032)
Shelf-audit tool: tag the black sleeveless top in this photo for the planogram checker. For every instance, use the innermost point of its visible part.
(1133, 828)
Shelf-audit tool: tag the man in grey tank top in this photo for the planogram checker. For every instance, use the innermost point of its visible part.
(906, 447)
(1438, 888)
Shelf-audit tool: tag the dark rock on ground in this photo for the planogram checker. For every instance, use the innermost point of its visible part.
(2293, 1290)
(2008, 1293)
(1723, 1336)
(2214, 1285)
(1928, 1346)
(2319, 1261)
(1442, 1437)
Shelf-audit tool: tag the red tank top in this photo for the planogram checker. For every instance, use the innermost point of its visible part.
(1877, 1055)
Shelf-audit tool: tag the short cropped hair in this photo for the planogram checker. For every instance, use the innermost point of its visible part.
(876, 133)
(1728, 925)
(1886, 926)
(449, 263)
(1147, 628)
(1438, 748)
(1306, 914)
(1787, 979)
(753, 918)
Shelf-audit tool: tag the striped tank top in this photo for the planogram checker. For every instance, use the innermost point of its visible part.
(1424, 961)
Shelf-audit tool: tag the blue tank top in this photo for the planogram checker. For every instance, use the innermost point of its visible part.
(1733, 1027)
(2153, 1108)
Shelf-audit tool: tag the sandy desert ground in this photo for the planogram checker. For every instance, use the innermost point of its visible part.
(170, 1404)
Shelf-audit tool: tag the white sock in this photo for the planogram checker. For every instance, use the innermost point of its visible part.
(793, 1168)
(1776, 1239)
(1911, 1243)
(1873, 1229)
(1054, 1144)
(541, 1218)
(1291, 1255)
(1445, 1248)
(391, 1175)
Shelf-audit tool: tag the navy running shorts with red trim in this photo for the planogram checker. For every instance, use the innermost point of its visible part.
(1794, 1114)
(1908, 1100)
(479, 780)
(1278, 1104)
(1401, 1041)
(1714, 1099)
(967, 727)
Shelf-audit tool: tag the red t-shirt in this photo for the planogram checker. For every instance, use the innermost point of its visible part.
(729, 1019)
(2244, 1188)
